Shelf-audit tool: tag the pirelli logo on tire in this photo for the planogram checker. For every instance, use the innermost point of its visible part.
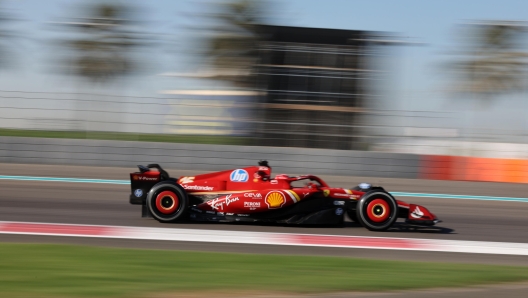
(275, 199)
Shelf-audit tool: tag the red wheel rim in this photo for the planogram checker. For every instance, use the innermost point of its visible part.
(378, 210)
(167, 202)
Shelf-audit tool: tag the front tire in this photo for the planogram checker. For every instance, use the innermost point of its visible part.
(377, 211)
(167, 202)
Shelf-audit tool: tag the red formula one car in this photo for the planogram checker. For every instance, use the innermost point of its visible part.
(251, 195)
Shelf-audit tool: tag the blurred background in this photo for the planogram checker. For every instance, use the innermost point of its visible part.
(444, 82)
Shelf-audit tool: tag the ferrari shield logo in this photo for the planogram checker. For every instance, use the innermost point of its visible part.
(186, 180)
(326, 192)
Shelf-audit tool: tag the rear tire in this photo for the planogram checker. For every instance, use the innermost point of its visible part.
(377, 211)
(167, 202)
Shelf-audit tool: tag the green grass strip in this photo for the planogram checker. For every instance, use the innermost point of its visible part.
(122, 136)
(43, 270)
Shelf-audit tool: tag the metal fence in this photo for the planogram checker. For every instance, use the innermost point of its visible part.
(230, 117)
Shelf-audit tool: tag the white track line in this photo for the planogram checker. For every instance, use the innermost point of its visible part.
(266, 238)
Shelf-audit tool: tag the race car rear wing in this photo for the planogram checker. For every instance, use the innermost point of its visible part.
(163, 174)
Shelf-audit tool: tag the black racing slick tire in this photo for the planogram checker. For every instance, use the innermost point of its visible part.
(167, 202)
(377, 210)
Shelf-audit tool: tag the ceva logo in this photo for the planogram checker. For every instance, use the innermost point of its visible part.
(239, 175)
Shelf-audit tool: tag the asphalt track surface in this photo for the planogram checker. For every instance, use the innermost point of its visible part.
(107, 204)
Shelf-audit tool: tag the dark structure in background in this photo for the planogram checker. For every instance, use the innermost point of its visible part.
(316, 82)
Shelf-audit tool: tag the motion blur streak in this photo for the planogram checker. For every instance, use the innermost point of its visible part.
(267, 238)
(58, 179)
(462, 197)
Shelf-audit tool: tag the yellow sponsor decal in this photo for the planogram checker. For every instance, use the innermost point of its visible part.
(275, 199)
(326, 192)
(295, 197)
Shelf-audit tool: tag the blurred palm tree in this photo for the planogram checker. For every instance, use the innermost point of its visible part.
(6, 37)
(493, 61)
(102, 50)
(99, 51)
(232, 49)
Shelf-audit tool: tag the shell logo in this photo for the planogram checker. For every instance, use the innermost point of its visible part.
(275, 199)
(135, 177)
